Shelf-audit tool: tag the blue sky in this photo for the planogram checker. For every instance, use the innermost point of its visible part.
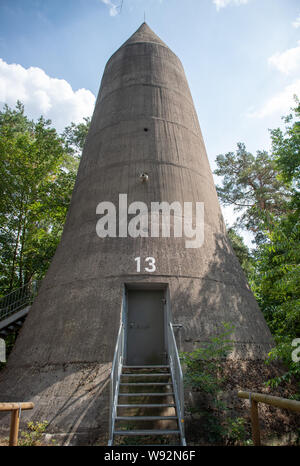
(241, 58)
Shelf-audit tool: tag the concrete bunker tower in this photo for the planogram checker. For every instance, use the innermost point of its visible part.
(144, 142)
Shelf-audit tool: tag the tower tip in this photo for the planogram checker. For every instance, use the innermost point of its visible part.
(144, 34)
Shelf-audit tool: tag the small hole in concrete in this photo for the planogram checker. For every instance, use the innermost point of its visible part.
(145, 129)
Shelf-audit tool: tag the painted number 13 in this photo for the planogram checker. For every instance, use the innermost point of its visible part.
(149, 260)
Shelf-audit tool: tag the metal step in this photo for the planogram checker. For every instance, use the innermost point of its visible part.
(141, 400)
(147, 394)
(146, 367)
(139, 405)
(147, 432)
(134, 384)
(146, 418)
(160, 374)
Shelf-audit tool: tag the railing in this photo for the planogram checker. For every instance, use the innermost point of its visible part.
(18, 299)
(177, 379)
(15, 409)
(256, 398)
(115, 380)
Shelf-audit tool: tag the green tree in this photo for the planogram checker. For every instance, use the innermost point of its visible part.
(74, 136)
(38, 170)
(265, 189)
(277, 284)
(251, 185)
(285, 147)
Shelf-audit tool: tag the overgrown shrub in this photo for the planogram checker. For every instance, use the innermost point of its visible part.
(202, 373)
(34, 434)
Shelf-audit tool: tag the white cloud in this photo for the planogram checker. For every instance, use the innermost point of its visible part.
(287, 61)
(223, 3)
(296, 23)
(280, 103)
(113, 9)
(41, 94)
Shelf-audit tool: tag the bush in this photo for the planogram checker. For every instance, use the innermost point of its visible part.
(34, 434)
(202, 373)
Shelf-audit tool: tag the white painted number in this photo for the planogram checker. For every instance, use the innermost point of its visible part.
(138, 264)
(150, 261)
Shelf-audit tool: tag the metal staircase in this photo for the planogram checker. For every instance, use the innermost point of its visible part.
(147, 402)
(14, 308)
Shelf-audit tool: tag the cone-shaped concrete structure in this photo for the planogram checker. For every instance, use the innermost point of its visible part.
(144, 122)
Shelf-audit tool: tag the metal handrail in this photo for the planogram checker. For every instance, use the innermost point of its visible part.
(177, 378)
(176, 374)
(18, 299)
(115, 380)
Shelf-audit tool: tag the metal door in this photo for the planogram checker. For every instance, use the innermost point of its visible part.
(145, 335)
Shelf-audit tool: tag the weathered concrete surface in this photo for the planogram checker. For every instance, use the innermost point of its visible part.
(64, 352)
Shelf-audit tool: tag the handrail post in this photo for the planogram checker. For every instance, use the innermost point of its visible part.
(256, 398)
(116, 370)
(255, 422)
(15, 409)
(14, 427)
(177, 379)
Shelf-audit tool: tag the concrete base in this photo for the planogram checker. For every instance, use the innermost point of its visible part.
(72, 398)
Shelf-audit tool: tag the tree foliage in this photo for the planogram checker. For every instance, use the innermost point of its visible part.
(285, 147)
(37, 169)
(251, 185)
(278, 268)
(266, 189)
(74, 136)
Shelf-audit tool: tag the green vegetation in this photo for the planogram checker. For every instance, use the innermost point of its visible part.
(202, 366)
(32, 437)
(265, 189)
(38, 170)
(203, 374)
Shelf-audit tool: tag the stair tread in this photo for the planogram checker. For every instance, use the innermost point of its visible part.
(147, 405)
(129, 384)
(147, 432)
(145, 418)
(159, 374)
(147, 394)
(146, 367)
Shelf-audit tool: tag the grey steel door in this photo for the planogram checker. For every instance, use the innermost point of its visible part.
(145, 336)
